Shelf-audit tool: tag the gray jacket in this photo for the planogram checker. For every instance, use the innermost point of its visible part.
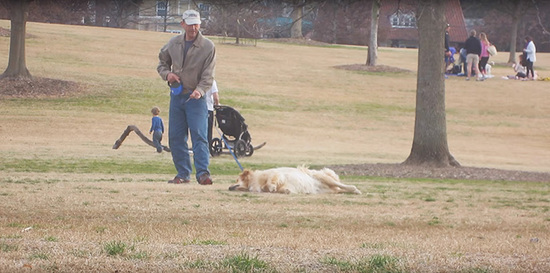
(197, 73)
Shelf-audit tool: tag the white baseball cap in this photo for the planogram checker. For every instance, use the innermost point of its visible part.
(191, 17)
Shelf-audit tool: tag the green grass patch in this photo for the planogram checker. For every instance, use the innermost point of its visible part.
(140, 255)
(198, 264)
(39, 256)
(244, 262)
(11, 236)
(82, 165)
(434, 221)
(15, 225)
(476, 270)
(109, 166)
(205, 242)
(5, 247)
(51, 239)
(373, 264)
(115, 248)
(138, 99)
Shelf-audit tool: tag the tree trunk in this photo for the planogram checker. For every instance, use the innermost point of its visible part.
(514, 32)
(100, 7)
(430, 146)
(165, 17)
(373, 40)
(334, 25)
(17, 66)
(296, 28)
(238, 32)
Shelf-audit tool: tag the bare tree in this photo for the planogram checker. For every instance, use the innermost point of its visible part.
(516, 16)
(116, 13)
(296, 15)
(301, 9)
(430, 145)
(166, 4)
(373, 40)
(342, 21)
(58, 11)
(541, 24)
(242, 18)
(515, 9)
(17, 66)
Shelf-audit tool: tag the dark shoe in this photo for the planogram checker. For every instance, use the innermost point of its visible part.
(179, 180)
(205, 179)
(159, 150)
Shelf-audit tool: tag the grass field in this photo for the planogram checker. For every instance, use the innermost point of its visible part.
(70, 203)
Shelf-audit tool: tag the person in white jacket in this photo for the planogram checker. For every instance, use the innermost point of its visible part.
(212, 99)
(530, 53)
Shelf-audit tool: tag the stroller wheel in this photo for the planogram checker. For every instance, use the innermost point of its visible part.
(240, 148)
(216, 147)
(249, 150)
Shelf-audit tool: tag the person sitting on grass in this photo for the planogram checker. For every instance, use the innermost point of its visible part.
(520, 69)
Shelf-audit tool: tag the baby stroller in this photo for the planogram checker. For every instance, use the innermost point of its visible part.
(234, 133)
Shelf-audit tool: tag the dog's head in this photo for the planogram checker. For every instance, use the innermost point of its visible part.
(242, 182)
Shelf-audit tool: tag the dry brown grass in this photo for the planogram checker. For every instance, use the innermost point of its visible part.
(429, 227)
(309, 113)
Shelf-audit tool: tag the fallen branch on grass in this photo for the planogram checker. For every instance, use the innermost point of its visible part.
(134, 128)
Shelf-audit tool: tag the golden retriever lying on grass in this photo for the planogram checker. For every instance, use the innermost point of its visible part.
(292, 180)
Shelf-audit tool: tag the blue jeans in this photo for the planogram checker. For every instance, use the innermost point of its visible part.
(157, 138)
(192, 117)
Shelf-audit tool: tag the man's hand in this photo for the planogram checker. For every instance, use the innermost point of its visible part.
(195, 95)
(172, 77)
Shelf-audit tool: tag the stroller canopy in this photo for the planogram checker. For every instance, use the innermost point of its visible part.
(230, 121)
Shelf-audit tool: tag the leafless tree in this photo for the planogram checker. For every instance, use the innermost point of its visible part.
(296, 15)
(430, 145)
(58, 11)
(242, 18)
(342, 22)
(300, 9)
(116, 13)
(514, 9)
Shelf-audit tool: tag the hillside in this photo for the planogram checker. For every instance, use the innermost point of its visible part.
(329, 116)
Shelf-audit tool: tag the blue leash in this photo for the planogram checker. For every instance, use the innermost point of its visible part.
(230, 150)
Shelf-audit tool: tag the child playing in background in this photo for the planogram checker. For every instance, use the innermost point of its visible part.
(519, 69)
(157, 128)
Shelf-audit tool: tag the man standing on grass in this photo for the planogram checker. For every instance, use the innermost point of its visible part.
(188, 60)
(473, 50)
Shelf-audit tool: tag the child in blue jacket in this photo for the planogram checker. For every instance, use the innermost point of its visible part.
(157, 128)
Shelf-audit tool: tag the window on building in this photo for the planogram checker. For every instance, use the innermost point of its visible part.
(403, 20)
(204, 7)
(162, 8)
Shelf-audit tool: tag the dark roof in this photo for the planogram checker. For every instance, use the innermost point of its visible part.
(453, 13)
(455, 18)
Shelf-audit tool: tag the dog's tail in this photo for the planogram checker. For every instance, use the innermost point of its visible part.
(332, 180)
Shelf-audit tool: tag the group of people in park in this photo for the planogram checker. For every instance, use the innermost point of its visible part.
(477, 50)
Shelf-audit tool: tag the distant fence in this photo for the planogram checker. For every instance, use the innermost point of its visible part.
(242, 41)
